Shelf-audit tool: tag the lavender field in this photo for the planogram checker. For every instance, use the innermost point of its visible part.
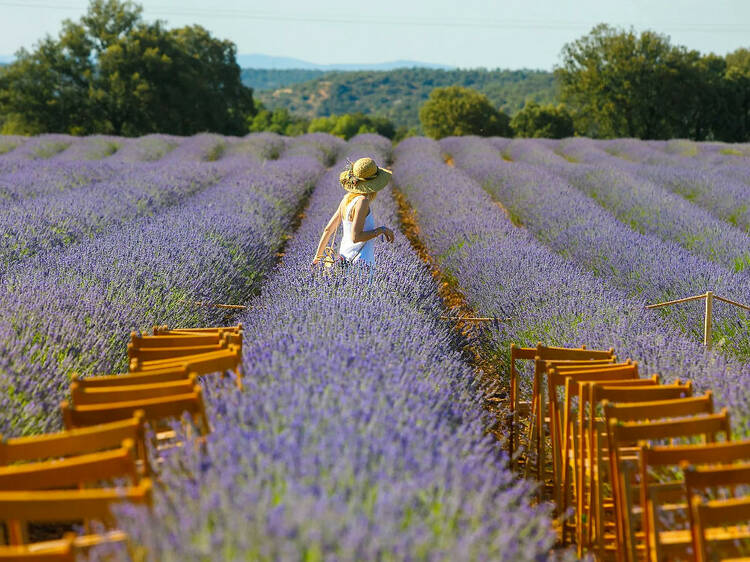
(361, 432)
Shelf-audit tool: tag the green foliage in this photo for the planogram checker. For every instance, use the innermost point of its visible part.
(350, 124)
(462, 111)
(621, 84)
(113, 73)
(277, 121)
(398, 94)
(542, 121)
(272, 79)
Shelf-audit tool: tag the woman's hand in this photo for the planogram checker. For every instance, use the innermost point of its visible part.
(388, 233)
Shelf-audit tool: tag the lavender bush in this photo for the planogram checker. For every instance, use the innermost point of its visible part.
(73, 308)
(579, 229)
(506, 272)
(360, 435)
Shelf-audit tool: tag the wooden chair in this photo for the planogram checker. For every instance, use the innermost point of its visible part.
(154, 409)
(543, 354)
(82, 396)
(592, 469)
(557, 375)
(570, 443)
(18, 508)
(229, 359)
(720, 528)
(62, 550)
(624, 434)
(674, 543)
(72, 471)
(77, 442)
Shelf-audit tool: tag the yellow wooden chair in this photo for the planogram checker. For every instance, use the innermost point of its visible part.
(622, 435)
(674, 543)
(18, 508)
(81, 395)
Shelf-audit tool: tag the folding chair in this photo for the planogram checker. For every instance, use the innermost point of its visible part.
(592, 470)
(77, 442)
(17, 509)
(229, 359)
(570, 443)
(720, 527)
(625, 434)
(557, 375)
(72, 471)
(674, 543)
(154, 409)
(82, 395)
(542, 355)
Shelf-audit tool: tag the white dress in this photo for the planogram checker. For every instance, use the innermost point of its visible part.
(360, 251)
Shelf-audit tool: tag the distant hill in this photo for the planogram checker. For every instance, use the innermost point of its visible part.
(273, 79)
(260, 61)
(398, 94)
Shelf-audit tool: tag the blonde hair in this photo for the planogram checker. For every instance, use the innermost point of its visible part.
(350, 196)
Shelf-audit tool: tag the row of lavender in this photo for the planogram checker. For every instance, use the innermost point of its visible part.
(643, 264)
(505, 271)
(360, 434)
(71, 307)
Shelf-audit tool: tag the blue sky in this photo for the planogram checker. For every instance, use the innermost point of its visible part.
(465, 33)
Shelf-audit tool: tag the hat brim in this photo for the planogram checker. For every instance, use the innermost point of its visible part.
(372, 185)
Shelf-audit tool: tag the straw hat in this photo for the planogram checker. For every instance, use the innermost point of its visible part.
(364, 176)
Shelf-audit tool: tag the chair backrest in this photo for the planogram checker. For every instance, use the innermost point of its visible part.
(82, 396)
(154, 409)
(718, 476)
(140, 342)
(72, 471)
(703, 425)
(138, 365)
(640, 403)
(164, 330)
(548, 353)
(675, 407)
(168, 374)
(164, 353)
(719, 513)
(62, 550)
(565, 367)
(70, 505)
(73, 442)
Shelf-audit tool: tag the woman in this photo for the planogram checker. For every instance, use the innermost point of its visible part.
(362, 180)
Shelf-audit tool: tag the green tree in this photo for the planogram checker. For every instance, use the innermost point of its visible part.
(350, 124)
(111, 72)
(461, 111)
(277, 121)
(542, 121)
(737, 84)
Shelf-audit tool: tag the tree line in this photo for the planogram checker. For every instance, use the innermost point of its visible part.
(111, 72)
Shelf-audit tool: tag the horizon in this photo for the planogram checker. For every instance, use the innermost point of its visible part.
(526, 37)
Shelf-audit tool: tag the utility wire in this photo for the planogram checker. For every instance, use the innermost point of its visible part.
(401, 21)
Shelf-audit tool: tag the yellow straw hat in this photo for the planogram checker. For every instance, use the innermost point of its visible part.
(364, 176)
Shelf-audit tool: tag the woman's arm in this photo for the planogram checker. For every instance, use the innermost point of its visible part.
(361, 208)
(328, 231)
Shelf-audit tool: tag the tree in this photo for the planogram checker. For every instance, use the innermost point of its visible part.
(737, 81)
(621, 84)
(350, 124)
(111, 72)
(542, 121)
(461, 111)
(277, 121)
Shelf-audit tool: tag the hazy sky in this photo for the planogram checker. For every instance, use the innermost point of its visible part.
(465, 33)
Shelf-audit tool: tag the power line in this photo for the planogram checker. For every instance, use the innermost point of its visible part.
(401, 21)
